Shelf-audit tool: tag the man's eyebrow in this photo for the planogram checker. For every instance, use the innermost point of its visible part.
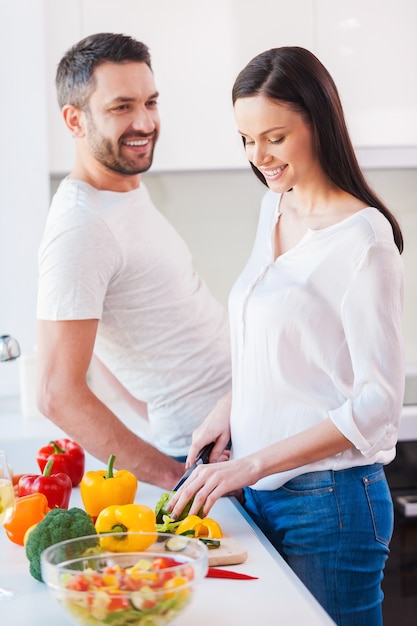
(123, 99)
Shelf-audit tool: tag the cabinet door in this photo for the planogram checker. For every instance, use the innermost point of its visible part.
(62, 29)
(197, 50)
(370, 48)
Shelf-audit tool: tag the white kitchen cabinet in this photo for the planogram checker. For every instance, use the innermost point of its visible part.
(199, 47)
(370, 48)
(197, 50)
(63, 28)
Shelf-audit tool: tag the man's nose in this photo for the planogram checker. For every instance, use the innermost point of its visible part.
(144, 121)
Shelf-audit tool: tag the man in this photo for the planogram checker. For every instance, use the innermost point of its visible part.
(117, 280)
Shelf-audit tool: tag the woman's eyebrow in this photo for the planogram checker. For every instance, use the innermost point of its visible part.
(265, 132)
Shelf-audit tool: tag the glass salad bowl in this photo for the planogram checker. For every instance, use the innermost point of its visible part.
(125, 578)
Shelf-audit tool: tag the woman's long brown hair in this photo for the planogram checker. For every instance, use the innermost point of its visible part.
(295, 76)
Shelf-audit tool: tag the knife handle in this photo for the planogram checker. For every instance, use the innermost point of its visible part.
(202, 457)
(204, 454)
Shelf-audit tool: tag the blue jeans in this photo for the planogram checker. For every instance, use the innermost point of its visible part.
(333, 528)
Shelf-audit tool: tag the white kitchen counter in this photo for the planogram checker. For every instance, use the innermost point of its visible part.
(276, 597)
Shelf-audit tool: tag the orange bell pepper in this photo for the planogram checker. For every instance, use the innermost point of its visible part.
(29, 510)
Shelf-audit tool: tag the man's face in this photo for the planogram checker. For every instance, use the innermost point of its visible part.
(121, 119)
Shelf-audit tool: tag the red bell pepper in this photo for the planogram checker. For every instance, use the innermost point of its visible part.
(68, 457)
(56, 487)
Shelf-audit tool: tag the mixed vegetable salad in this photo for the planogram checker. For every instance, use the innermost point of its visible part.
(149, 593)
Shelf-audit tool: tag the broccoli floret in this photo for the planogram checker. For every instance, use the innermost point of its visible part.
(57, 525)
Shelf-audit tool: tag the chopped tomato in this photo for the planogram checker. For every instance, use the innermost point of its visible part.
(162, 562)
(132, 584)
(187, 571)
(78, 583)
(162, 565)
(149, 604)
(118, 603)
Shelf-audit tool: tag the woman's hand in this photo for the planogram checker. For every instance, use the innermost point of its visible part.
(208, 483)
(215, 428)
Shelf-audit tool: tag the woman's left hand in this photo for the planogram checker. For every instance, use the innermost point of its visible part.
(207, 484)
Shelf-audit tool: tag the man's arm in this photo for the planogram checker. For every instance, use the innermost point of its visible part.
(141, 408)
(65, 349)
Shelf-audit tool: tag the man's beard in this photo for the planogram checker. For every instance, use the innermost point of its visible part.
(103, 150)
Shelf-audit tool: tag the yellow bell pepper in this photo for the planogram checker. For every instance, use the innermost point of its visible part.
(102, 488)
(205, 527)
(132, 519)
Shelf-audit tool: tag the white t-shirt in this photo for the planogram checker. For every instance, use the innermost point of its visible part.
(317, 333)
(112, 256)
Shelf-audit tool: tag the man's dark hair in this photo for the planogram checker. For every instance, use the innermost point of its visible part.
(75, 74)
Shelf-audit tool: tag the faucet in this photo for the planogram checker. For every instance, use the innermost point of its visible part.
(9, 348)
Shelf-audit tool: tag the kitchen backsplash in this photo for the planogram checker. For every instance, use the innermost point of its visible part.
(216, 212)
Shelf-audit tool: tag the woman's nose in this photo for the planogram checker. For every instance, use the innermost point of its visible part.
(261, 156)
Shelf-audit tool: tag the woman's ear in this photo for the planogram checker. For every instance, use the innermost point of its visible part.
(72, 118)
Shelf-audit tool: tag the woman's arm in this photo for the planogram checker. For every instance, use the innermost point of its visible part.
(209, 482)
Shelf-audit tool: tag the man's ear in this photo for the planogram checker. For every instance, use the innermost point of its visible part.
(72, 117)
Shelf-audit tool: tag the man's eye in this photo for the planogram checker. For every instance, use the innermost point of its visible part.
(152, 103)
(121, 107)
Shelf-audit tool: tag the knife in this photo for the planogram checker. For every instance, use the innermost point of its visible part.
(202, 457)
(216, 572)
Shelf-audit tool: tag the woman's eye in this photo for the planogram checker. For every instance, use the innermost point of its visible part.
(280, 140)
(249, 143)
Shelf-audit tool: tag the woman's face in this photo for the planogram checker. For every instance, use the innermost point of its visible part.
(278, 141)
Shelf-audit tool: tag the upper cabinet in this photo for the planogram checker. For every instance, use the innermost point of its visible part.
(198, 49)
(370, 48)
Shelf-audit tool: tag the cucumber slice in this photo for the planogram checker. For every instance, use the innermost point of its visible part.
(210, 543)
(177, 543)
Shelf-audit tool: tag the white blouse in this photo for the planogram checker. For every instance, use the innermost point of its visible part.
(317, 333)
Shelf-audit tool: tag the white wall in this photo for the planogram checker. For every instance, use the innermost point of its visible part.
(216, 211)
(24, 181)
(217, 214)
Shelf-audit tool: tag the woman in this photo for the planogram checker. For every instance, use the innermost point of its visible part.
(318, 364)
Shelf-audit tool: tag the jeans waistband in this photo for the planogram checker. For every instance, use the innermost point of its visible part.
(328, 476)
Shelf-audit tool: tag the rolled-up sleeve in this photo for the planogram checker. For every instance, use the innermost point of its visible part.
(372, 319)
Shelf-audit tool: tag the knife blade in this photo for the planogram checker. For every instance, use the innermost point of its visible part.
(202, 457)
(217, 572)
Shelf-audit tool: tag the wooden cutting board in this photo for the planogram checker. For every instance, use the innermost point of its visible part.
(228, 553)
